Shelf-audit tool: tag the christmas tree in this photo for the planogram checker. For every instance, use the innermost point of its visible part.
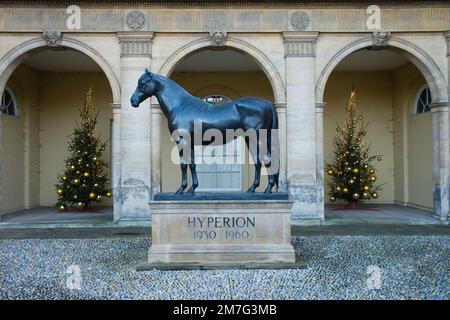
(352, 174)
(83, 180)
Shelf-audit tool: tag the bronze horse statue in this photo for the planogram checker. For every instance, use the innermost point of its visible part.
(183, 110)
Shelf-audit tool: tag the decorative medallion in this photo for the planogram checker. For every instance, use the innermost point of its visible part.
(300, 20)
(218, 38)
(135, 20)
(380, 38)
(53, 38)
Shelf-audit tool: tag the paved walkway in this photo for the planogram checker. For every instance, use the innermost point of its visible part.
(102, 217)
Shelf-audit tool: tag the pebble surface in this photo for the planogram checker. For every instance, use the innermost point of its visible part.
(337, 267)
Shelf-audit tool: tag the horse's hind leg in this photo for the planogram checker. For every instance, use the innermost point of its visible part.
(193, 168)
(255, 155)
(271, 184)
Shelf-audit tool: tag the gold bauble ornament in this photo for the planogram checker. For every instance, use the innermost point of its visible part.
(355, 195)
(330, 172)
(80, 161)
(366, 188)
(94, 159)
(373, 178)
(76, 181)
(64, 178)
(109, 194)
(366, 195)
(332, 199)
(80, 205)
(371, 171)
(59, 192)
(366, 166)
(355, 170)
(92, 196)
(375, 195)
(99, 198)
(75, 197)
(338, 129)
(345, 190)
(72, 167)
(62, 208)
(351, 181)
(86, 174)
(379, 158)
(338, 189)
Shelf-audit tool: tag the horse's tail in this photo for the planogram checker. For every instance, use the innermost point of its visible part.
(274, 126)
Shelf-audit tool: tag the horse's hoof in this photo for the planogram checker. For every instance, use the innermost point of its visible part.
(251, 190)
(179, 191)
(268, 191)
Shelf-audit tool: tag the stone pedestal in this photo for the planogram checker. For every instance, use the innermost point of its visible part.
(221, 233)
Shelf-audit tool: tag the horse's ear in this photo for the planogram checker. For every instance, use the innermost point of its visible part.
(147, 72)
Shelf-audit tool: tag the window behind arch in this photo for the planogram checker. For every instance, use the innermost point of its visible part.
(8, 103)
(423, 101)
(219, 169)
(216, 99)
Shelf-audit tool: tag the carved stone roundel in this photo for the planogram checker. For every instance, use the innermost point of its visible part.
(300, 20)
(135, 20)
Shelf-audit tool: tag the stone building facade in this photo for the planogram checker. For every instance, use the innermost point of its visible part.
(305, 56)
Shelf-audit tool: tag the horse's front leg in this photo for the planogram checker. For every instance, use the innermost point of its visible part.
(193, 168)
(183, 166)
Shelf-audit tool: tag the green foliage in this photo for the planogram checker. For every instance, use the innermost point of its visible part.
(83, 180)
(352, 173)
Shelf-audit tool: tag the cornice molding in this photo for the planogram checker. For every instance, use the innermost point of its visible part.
(228, 2)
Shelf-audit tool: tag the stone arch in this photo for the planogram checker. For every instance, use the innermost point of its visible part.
(243, 47)
(425, 63)
(17, 55)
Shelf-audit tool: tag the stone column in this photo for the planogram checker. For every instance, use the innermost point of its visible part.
(441, 160)
(115, 161)
(301, 122)
(319, 160)
(134, 191)
(281, 111)
(156, 148)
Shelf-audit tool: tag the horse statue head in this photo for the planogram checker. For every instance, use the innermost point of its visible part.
(146, 88)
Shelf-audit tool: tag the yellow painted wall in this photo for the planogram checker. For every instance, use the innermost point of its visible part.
(62, 94)
(201, 84)
(34, 145)
(386, 100)
(19, 160)
(413, 136)
(374, 93)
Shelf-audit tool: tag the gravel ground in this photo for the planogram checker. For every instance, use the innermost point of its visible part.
(337, 267)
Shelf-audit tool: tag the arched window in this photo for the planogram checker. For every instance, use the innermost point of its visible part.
(423, 100)
(216, 99)
(8, 104)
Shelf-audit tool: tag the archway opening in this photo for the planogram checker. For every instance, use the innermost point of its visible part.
(48, 87)
(216, 76)
(394, 98)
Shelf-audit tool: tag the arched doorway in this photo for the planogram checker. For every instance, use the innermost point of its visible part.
(395, 90)
(216, 75)
(48, 84)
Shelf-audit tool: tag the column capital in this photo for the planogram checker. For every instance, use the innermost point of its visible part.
(447, 39)
(280, 107)
(135, 44)
(320, 106)
(155, 108)
(116, 107)
(439, 106)
(300, 44)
